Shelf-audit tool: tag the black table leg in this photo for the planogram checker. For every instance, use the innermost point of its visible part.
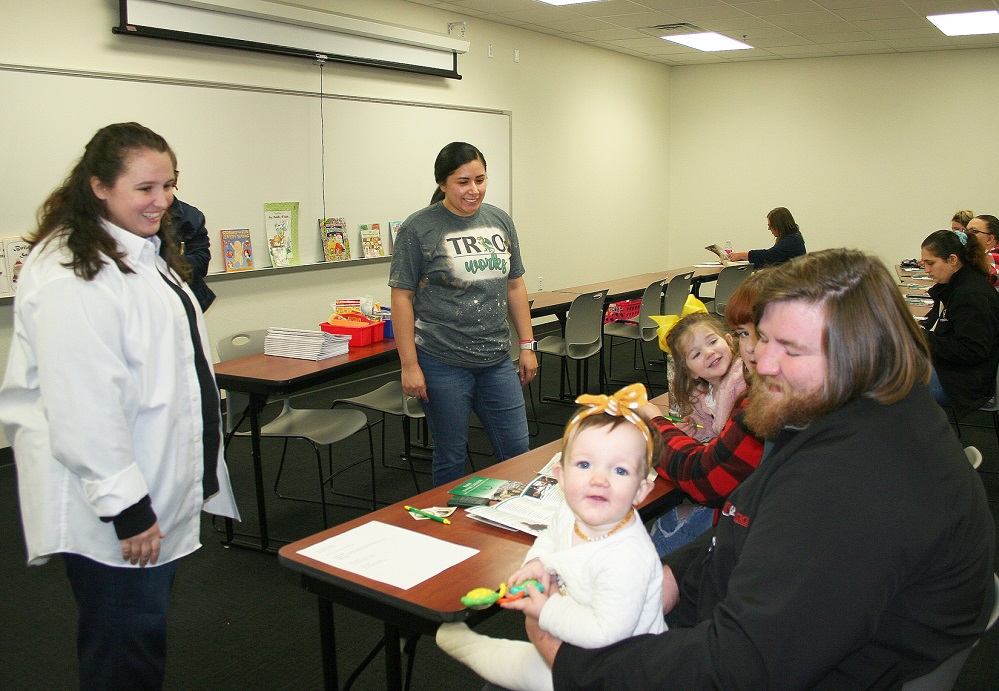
(327, 642)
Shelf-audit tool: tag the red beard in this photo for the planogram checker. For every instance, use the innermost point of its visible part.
(774, 405)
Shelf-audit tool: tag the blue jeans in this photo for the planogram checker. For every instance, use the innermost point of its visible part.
(122, 629)
(936, 388)
(671, 532)
(494, 393)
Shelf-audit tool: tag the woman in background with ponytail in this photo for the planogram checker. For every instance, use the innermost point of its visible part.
(963, 325)
(456, 277)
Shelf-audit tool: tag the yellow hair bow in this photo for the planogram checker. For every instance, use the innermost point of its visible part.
(624, 403)
(668, 321)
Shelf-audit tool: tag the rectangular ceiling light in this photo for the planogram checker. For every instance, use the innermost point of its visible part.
(708, 41)
(967, 23)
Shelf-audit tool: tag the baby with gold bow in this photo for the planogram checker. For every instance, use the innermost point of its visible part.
(601, 575)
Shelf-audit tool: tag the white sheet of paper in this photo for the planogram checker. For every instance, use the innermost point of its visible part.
(388, 554)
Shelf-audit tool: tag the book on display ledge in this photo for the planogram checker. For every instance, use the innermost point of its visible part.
(333, 234)
(237, 253)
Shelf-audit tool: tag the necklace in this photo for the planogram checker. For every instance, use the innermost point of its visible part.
(575, 528)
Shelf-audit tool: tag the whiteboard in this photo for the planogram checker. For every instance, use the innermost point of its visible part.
(241, 147)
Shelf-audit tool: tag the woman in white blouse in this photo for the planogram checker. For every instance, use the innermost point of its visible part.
(110, 403)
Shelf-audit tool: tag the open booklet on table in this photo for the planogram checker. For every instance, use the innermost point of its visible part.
(530, 511)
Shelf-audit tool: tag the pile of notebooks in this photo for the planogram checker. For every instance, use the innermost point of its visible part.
(304, 344)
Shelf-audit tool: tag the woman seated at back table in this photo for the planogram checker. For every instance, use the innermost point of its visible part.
(790, 243)
(963, 324)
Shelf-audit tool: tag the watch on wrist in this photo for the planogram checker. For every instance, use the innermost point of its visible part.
(529, 344)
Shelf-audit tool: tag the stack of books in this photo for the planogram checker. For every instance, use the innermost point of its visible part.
(304, 344)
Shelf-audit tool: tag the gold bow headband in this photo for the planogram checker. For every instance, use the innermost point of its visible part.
(668, 321)
(624, 403)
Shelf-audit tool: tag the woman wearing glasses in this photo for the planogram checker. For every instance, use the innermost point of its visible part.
(790, 243)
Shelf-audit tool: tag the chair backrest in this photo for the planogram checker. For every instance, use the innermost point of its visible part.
(584, 325)
(992, 405)
(729, 280)
(945, 675)
(677, 291)
(241, 343)
(652, 302)
(236, 345)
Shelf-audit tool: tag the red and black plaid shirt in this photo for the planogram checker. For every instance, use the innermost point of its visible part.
(709, 472)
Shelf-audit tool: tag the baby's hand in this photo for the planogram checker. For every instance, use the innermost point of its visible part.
(532, 569)
(533, 603)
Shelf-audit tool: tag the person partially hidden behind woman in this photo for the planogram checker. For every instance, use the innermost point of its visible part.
(963, 324)
(790, 243)
(960, 219)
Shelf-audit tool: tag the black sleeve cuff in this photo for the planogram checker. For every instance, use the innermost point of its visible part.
(137, 518)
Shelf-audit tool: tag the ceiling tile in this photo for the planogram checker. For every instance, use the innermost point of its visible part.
(775, 28)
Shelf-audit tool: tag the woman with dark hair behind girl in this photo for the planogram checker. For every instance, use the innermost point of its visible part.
(963, 324)
(110, 403)
(456, 277)
(789, 244)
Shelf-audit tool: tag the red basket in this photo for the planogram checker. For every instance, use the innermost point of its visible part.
(623, 310)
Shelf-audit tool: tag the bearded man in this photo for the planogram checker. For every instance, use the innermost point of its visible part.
(859, 553)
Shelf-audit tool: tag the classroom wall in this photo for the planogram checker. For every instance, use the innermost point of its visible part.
(872, 151)
(589, 137)
(620, 165)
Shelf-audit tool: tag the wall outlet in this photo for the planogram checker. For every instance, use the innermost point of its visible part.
(490, 51)
(541, 283)
(516, 55)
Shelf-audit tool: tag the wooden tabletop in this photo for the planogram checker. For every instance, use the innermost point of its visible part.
(269, 374)
(500, 553)
(549, 302)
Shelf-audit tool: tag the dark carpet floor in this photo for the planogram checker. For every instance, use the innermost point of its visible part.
(239, 620)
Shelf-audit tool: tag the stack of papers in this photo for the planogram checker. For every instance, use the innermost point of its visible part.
(304, 344)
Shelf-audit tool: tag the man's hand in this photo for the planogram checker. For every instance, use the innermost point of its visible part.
(671, 590)
(546, 643)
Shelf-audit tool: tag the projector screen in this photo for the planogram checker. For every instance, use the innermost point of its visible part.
(303, 33)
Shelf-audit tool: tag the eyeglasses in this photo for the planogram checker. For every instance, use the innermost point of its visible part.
(978, 232)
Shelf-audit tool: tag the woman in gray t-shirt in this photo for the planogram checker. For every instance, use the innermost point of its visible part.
(456, 276)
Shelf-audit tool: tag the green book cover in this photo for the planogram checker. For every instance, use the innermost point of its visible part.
(281, 231)
(487, 487)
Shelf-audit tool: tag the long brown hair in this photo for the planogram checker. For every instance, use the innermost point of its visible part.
(873, 346)
(781, 220)
(74, 212)
(684, 385)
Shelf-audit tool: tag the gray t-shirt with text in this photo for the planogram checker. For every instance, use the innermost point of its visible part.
(459, 267)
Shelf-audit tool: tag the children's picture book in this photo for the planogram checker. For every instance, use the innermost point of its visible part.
(333, 233)
(371, 240)
(237, 254)
(529, 511)
(15, 251)
(281, 231)
(488, 488)
(393, 231)
(5, 287)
